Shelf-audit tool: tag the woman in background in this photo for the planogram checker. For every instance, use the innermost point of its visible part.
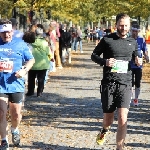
(42, 56)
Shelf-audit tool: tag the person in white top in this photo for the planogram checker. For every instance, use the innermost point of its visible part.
(79, 39)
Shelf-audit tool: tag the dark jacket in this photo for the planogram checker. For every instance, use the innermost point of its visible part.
(66, 39)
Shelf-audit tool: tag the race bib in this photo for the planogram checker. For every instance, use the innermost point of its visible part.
(6, 66)
(120, 66)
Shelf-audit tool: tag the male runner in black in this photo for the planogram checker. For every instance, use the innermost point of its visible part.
(118, 49)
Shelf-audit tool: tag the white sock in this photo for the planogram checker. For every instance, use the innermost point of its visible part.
(137, 92)
(5, 139)
(14, 130)
(132, 93)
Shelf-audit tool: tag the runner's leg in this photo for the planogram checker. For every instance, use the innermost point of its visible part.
(3, 113)
(122, 127)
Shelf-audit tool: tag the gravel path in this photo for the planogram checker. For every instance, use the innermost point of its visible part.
(69, 115)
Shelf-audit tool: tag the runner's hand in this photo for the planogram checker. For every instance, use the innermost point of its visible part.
(110, 62)
(138, 61)
(21, 73)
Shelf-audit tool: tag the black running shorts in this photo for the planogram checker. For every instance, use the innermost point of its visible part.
(115, 95)
(13, 97)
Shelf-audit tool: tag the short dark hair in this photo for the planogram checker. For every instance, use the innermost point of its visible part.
(5, 21)
(29, 37)
(120, 16)
(40, 26)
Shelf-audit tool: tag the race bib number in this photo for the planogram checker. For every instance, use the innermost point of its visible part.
(120, 66)
(6, 66)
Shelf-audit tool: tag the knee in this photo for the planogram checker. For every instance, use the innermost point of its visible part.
(122, 120)
(108, 120)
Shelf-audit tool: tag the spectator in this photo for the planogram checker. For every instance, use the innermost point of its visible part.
(147, 36)
(42, 55)
(56, 52)
(73, 36)
(66, 44)
(79, 39)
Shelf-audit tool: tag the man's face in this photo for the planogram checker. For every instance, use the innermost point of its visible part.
(123, 26)
(6, 36)
(135, 33)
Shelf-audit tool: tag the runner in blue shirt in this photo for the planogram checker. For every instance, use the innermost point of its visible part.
(14, 53)
(137, 71)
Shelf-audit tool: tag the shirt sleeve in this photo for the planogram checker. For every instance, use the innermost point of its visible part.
(144, 47)
(27, 54)
(97, 52)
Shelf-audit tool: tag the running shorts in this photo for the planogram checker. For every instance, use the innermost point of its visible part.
(115, 95)
(13, 97)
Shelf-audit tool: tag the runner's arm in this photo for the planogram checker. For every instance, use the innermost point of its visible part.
(145, 51)
(97, 52)
(28, 65)
(23, 71)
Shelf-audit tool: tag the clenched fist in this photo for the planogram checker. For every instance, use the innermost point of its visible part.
(110, 62)
(21, 73)
(138, 61)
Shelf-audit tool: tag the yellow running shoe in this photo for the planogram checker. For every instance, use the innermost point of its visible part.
(101, 138)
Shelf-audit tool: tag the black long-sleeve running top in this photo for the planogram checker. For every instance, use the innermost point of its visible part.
(112, 46)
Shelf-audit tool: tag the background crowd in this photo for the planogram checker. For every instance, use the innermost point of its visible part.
(52, 44)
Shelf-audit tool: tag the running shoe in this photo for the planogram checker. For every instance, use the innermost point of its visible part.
(101, 137)
(4, 145)
(16, 139)
(135, 102)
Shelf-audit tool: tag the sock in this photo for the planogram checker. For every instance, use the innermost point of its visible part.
(137, 92)
(5, 139)
(132, 94)
(104, 130)
(14, 130)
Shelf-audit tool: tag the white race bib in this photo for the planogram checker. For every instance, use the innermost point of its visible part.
(6, 66)
(120, 66)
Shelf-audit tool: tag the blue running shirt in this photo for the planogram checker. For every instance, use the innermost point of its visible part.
(12, 56)
(141, 48)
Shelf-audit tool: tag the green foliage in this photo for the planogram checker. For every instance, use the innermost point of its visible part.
(85, 10)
